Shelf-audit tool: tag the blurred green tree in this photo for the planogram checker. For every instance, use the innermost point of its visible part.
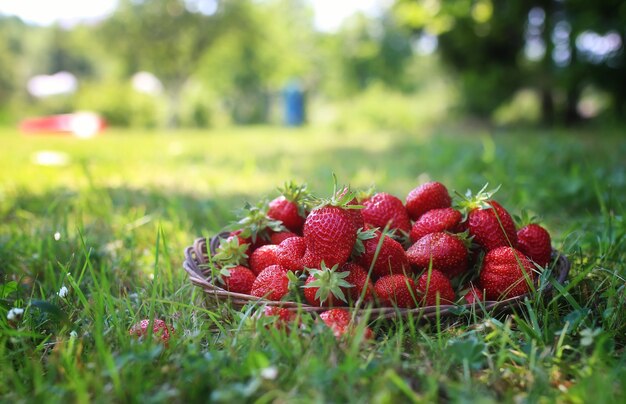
(165, 37)
(65, 52)
(247, 65)
(497, 47)
(367, 51)
(11, 49)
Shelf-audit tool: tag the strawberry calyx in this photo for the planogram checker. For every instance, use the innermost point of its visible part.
(329, 281)
(298, 194)
(255, 223)
(361, 236)
(230, 253)
(365, 194)
(524, 219)
(294, 192)
(342, 198)
(469, 202)
(296, 281)
(465, 237)
(222, 272)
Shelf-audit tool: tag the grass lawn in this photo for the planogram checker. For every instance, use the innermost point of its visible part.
(110, 219)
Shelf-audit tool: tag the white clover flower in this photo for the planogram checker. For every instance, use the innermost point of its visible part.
(73, 334)
(269, 373)
(63, 292)
(57, 236)
(15, 313)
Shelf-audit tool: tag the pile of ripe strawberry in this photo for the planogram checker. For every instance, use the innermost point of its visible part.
(374, 249)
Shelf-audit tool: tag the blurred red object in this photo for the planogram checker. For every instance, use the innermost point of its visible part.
(79, 124)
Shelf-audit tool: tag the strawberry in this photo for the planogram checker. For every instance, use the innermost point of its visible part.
(391, 257)
(283, 317)
(358, 278)
(505, 273)
(436, 220)
(290, 253)
(280, 312)
(474, 295)
(239, 280)
(428, 196)
(325, 287)
(396, 290)
(355, 214)
(255, 226)
(339, 320)
(350, 280)
(434, 285)
(238, 234)
(263, 257)
(442, 251)
(277, 238)
(288, 207)
(232, 251)
(272, 283)
(287, 212)
(247, 241)
(329, 235)
(383, 208)
(160, 330)
(534, 241)
(492, 226)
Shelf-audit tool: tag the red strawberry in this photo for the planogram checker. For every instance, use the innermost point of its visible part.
(492, 226)
(443, 251)
(283, 316)
(232, 250)
(396, 290)
(237, 233)
(290, 253)
(288, 207)
(358, 278)
(280, 312)
(277, 238)
(474, 295)
(350, 274)
(428, 196)
(534, 241)
(239, 280)
(391, 256)
(326, 287)
(329, 235)
(251, 246)
(383, 208)
(339, 321)
(355, 214)
(436, 220)
(160, 330)
(255, 226)
(287, 212)
(272, 283)
(505, 273)
(263, 257)
(434, 283)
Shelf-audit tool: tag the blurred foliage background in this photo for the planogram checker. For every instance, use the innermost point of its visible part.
(505, 62)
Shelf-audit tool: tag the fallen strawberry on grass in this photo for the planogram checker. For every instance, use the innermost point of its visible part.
(160, 330)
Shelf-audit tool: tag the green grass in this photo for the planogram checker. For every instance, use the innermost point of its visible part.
(111, 223)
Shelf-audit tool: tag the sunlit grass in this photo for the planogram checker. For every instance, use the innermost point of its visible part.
(110, 224)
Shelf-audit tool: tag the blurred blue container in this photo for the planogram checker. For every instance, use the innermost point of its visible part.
(293, 97)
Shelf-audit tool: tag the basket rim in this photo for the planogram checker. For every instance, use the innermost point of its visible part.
(196, 257)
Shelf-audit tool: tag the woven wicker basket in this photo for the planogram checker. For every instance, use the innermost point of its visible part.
(196, 259)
